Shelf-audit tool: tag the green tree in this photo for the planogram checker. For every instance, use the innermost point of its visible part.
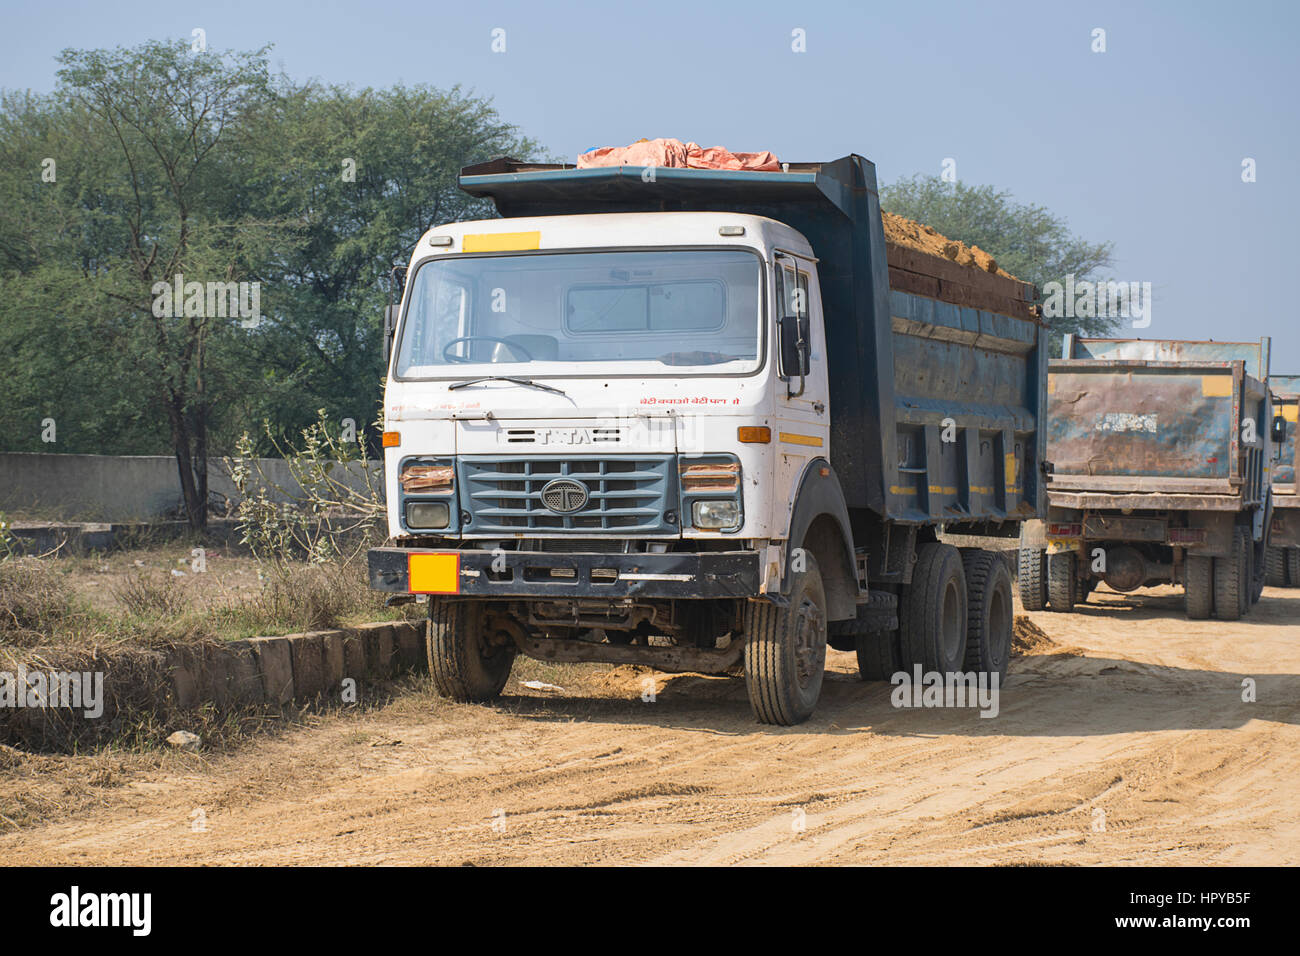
(164, 111)
(1028, 241)
(175, 162)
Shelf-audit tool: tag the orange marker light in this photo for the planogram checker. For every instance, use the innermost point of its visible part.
(755, 434)
(392, 439)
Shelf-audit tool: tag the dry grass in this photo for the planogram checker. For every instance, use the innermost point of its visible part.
(33, 602)
(157, 599)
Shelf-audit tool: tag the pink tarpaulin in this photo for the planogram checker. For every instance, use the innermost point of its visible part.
(673, 152)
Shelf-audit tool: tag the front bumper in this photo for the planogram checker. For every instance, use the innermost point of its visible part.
(538, 574)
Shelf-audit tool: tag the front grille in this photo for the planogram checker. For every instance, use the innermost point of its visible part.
(626, 494)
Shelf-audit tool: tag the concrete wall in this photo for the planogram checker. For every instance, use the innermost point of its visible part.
(111, 487)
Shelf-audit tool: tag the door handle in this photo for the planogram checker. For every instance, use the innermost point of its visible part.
(818, 407)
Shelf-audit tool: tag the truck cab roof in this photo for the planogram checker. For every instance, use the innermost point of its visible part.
(605, 230)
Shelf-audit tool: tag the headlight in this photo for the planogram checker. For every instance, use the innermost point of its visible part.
(715, 514)
(427, 514)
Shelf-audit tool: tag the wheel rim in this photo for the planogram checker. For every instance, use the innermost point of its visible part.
(999, 629)
(951, 625)
(808, 648)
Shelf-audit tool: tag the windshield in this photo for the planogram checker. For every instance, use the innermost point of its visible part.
(651, 312)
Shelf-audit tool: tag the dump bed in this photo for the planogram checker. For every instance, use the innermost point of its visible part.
(1158, 424)
(1286, 402)
(914, 340)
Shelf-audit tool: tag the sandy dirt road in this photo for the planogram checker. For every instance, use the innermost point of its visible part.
(1122, 738)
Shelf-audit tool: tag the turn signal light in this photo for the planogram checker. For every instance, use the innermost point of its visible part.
(756, 434)
(429, 479)
(392, 439)
(723, 476)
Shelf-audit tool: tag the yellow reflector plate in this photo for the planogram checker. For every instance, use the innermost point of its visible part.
(434, 573)
(501, 241)
(1216, 386)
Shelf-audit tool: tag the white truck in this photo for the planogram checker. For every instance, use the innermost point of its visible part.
(701, 420)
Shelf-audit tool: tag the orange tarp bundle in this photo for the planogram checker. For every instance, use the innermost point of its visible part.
(673, 152)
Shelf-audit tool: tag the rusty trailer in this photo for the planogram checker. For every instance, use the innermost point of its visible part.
(1283, 559)
(1160, 459)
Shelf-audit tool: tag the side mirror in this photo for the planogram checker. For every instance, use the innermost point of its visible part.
(795, 331)
(390, 327)
(1279, 430)
(398, 277)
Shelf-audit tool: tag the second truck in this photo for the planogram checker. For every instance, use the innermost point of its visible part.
(1160, 458)
(704, 420)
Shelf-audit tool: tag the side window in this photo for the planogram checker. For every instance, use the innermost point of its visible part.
(792, 295)
(792, 291)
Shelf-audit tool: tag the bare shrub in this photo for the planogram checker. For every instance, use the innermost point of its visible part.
(333, 510)
(33, 601)
(149, 594)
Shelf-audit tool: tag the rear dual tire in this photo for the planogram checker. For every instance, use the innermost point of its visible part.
(1062, 581)
(1232, 578)
(1198, 587)
(1031, 578)
(1275, 567)
(932, 615)
(989, 612)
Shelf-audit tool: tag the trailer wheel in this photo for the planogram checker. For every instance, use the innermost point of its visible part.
(466, 663)
(1062, 582)
(879, 657)
(1198, 586)
(1275, 567)
(989, 612)
(1232, 578)
(1031, 578)
(785, 651)
(932, 611)
(1258, 567)
(1293, 567)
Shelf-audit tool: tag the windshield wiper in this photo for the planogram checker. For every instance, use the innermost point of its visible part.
(508, 378)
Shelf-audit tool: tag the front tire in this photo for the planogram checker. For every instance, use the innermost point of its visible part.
(466, 662)
(785, 651)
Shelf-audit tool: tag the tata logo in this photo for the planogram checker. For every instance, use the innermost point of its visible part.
(564, 436)
(564, 496)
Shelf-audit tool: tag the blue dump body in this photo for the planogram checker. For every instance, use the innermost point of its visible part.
(907, 359)
(1150, 418)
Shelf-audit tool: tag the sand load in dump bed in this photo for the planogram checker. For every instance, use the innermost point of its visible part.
(925, 262)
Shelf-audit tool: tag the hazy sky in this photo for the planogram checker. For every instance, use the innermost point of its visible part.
(1142, 144)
